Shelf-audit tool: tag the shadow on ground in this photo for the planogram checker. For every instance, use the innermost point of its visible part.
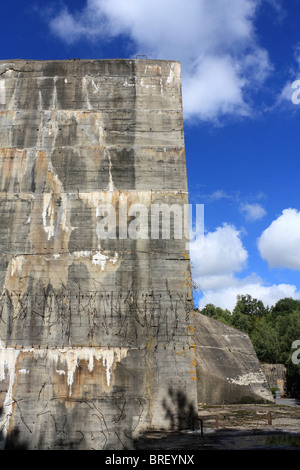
(219, 440)
(228, 427)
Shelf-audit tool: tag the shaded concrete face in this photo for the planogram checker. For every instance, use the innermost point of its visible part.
(96, 338)
(228, 369)
(276, 375)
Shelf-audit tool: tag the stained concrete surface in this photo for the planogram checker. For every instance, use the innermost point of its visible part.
(228, 370)
(95, 332)
(98, 338)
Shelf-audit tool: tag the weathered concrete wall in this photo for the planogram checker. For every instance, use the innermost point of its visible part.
(96, 339)
(228, 369)
(276, 376)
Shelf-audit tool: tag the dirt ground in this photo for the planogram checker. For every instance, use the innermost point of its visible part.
(284, 415)
(234, 427)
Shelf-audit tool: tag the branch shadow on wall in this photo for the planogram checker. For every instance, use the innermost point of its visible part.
(180, 414)
(12, 441)
(178, 410)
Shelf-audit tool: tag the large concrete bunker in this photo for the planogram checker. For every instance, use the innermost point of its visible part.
(96, 335)
(98, 340)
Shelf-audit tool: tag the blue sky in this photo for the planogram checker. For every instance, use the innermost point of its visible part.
(239, 60)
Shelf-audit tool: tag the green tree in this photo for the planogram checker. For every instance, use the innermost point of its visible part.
(285, 306)
(271, 330)
(265, 341)
(217, 313)
(241, 321)
(209, 310)
(248, 306)
(288, 327)
(247, 312)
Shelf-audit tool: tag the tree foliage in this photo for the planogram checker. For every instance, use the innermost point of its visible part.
(272, 330)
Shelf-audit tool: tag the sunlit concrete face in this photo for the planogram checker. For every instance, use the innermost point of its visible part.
(96, 336)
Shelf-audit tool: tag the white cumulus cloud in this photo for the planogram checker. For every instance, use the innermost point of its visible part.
(279, 244)
(253, 212)
(290, 93)
(215, 261)
(226, 297)
(219, 261)
(214, 40)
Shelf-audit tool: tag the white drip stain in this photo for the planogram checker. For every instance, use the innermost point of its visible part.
(48, 211)
(171, 75)
(250, 378)
(40, 105)
(54, 96)
(70, 357)
(64, 362)
(85, 89)
(111, 186)
(98, 259)
(17, 264)
(96, 87)
(8, 361)
(2, 92)
(81, 254)
(52, 219)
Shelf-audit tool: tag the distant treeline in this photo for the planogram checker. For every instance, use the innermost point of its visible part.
(274, 331)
